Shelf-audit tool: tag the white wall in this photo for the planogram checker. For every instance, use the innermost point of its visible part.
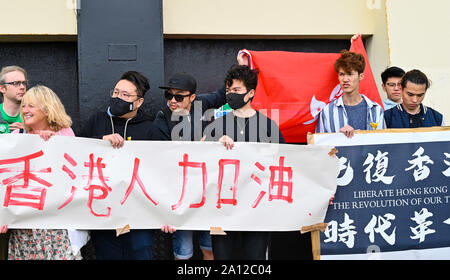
(38, 17)
(267, 17)
(419, 38)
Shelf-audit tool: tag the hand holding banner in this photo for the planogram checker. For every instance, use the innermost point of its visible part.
(71, 182)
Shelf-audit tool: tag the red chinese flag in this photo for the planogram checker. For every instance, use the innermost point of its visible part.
(298, 85)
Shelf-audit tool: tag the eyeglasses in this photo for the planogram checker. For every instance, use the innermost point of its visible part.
(122, 94)
(17, 83)
(393, 85)
(178, 97)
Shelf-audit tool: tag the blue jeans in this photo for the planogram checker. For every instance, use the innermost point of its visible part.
(252, 245)
(135, 245)
(183, 244)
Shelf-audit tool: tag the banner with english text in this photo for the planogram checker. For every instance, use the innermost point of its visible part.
(393, 197)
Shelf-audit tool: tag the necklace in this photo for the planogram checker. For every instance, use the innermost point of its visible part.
(241, 128)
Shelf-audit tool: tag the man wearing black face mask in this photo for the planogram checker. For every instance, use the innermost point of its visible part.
(123, 120)
(244, 124)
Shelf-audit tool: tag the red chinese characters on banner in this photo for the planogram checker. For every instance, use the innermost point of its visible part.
(72, 176)
(280, 183)
(90, 187)
(135, 178)
(185, 164)
(280, 186)
(25, 194)
(103, 187)
(222, 163)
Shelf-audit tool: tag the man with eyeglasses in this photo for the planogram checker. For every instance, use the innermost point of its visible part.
(391, 78)
(13, 85)
(123, 121)
(411, 113)
(184, 119)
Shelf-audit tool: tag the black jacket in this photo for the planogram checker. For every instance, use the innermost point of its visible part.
(190, 127)
(138, 128)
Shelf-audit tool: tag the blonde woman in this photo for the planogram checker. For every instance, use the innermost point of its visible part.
(43, 113)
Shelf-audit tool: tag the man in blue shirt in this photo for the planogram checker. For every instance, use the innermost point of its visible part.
(391, 78)
(352, 111)
(412, 113)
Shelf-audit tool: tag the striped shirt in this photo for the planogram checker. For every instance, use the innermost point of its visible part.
(333, 117)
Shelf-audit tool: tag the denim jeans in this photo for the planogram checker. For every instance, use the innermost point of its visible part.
(183, 244)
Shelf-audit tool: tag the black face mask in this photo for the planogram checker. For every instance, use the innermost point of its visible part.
(236, 100)
(119, 107)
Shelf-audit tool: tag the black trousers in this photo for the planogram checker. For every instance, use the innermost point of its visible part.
(242, 245)
(135, 245)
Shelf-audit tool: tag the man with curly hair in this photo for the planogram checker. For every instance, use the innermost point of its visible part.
(353, 110)
(243, 124)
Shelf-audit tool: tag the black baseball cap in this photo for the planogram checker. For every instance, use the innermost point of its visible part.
(182, 81)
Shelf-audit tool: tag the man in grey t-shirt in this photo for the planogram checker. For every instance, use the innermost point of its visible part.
(351, 111)
(354, 114)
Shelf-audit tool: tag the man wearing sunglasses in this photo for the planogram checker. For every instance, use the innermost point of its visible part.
(184, 119)
(13, 85)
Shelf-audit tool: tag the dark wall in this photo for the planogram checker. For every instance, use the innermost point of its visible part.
(115, 36)
(50, 64)
(55, 65)
(208, 60)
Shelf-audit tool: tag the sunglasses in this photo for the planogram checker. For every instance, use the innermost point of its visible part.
(178, 97)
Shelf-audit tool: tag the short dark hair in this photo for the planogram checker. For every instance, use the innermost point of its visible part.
(390, 72)
(416, 77)
(349, 61)
(242, 73)
(140, 81)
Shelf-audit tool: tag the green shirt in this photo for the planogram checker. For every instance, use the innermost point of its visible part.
(6, 120)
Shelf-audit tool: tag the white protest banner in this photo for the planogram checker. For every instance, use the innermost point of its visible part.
(80, 183)
(392, 200)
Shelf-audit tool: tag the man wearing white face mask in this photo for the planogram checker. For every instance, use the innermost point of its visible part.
(123, 121)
